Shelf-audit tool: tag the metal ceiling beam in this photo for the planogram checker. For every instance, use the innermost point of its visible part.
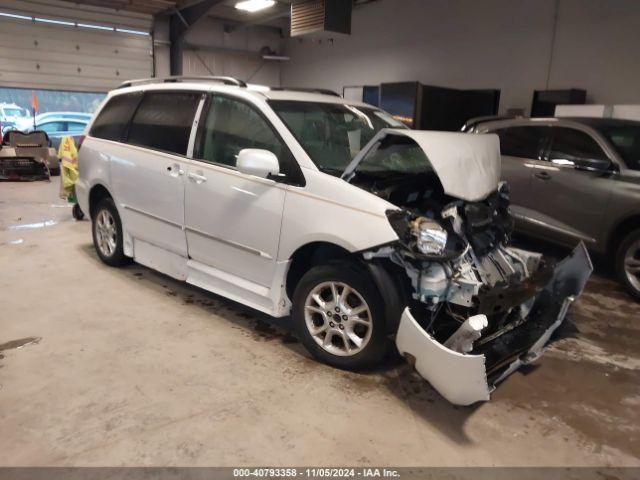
(180, 22)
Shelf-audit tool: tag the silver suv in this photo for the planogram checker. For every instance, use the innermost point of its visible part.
(575, 179)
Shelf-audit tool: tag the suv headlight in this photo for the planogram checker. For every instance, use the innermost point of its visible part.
(431, 238)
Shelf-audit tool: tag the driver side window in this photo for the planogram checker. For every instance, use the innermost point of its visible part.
(231, 126)
(574, 147)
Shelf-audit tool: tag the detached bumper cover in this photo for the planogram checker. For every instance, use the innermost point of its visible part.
(464, 379)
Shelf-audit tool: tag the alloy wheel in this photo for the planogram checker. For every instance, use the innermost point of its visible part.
(338, 318)
(106, 233)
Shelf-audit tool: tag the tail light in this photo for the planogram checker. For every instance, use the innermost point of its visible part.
(79, 142)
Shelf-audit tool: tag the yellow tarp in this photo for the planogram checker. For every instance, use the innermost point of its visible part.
(68, 154)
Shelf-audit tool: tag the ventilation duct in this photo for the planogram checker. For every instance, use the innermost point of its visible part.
(321, 18)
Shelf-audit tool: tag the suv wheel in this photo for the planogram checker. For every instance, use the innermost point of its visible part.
(339, 317)
(107, 234)
(628, 263)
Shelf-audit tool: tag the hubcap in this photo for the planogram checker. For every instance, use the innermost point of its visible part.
(338, 318)
(632, 264)
(106, 233)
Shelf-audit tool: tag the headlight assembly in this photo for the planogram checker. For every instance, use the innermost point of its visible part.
(431, 238)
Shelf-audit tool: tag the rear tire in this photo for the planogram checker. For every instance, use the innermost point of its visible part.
(107, 234)
(344, 331)
(54, 172)
(627, 263)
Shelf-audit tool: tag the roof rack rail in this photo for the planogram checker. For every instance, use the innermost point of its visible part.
(185, 78)
(474, 122)
(323, 91)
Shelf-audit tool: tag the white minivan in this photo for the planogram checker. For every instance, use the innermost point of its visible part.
(304, 204)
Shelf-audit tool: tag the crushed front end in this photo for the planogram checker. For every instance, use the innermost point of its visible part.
(473, 308)
(478, 309)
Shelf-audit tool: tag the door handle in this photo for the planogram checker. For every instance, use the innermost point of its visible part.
(197, 177)
(543, 175)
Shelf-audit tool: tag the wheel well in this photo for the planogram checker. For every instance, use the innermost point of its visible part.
(621, 230)
(96, 194)
(307, 257)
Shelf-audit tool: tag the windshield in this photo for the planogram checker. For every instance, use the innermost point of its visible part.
(626, 140)
(395, 155)
(332, 134)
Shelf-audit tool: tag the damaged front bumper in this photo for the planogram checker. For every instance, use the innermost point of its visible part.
(464, 379)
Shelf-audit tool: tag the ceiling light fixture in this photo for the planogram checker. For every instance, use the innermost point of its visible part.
(254, 5)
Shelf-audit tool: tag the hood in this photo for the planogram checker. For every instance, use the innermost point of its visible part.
(467, 165)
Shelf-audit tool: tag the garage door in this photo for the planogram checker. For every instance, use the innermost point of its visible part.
(66, 46)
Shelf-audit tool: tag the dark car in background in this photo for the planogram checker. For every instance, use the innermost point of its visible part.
(575, 179)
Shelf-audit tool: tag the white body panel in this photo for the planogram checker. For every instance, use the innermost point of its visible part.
(233, 221)
(328, 209)
(149, 189)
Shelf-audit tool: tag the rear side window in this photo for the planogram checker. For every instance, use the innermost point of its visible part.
(523, 142)
(113, 119)
(163, 121)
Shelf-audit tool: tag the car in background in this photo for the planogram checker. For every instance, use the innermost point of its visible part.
(57, 125)
(575, 179)
(10, 114)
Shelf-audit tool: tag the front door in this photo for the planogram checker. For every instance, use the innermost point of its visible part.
(571, 197)
(232, 219)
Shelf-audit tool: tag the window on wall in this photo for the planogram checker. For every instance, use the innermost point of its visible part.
(163, 121)
(233, 125)
(522, 142)
(114, 117)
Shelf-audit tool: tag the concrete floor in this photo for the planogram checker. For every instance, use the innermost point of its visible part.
(129, 367)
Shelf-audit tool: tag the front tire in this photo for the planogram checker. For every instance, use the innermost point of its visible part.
(339, 317)
(107, 234)
(627, 263)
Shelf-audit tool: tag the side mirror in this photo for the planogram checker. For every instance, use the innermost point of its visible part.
(594, 165)
(256, 162)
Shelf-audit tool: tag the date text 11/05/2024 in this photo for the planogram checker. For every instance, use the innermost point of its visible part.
(316, 472)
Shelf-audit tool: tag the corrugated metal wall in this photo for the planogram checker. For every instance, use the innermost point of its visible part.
(62, 57)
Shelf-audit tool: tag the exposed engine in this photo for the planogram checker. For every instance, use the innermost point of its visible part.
(472, 286)
(473, 309)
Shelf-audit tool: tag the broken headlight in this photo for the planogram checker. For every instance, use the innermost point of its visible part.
(431, 238)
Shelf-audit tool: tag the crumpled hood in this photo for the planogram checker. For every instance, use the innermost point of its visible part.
(467, 165)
